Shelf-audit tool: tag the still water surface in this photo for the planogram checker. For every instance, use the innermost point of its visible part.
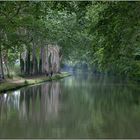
(80, 106)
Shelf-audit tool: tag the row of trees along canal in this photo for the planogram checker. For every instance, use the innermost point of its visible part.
(24, 39)
(104, 35)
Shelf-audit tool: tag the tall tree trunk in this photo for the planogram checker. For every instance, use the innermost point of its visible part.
(45, 67)
(24, 59)
(28, 62)
(1, 64)
(47, 59)
(7, 69)
(43, 60)
(6, 63)
(40, 61)
(21, 65)
(33, 58)
(55, 59)
(60, 58)
(35, 62)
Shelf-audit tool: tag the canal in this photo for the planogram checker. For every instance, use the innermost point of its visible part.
(80, 106)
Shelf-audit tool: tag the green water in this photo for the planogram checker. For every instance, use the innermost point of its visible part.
(80, 106)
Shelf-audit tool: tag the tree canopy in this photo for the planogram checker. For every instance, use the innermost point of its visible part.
(104, 35)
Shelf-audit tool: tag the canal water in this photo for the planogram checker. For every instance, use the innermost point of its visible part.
(80, 106)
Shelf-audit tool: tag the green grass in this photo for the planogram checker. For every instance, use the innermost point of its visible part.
(7, 86)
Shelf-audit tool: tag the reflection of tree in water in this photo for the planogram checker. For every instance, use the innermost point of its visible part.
(8, 103)
(40, 102)
(101, 108)
(107, 109)
(37, 103)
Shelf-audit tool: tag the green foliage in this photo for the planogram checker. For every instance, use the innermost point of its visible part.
(116, 35)
(105, 35)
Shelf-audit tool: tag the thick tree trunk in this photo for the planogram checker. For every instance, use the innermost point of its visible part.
(55, 59)
(45, 67)
(49, 59)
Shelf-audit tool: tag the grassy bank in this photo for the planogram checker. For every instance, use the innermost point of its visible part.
(18, 82)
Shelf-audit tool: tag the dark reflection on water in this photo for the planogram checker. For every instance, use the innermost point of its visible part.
(81, 106)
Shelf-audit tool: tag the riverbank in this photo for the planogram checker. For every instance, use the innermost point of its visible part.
(18, 82)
